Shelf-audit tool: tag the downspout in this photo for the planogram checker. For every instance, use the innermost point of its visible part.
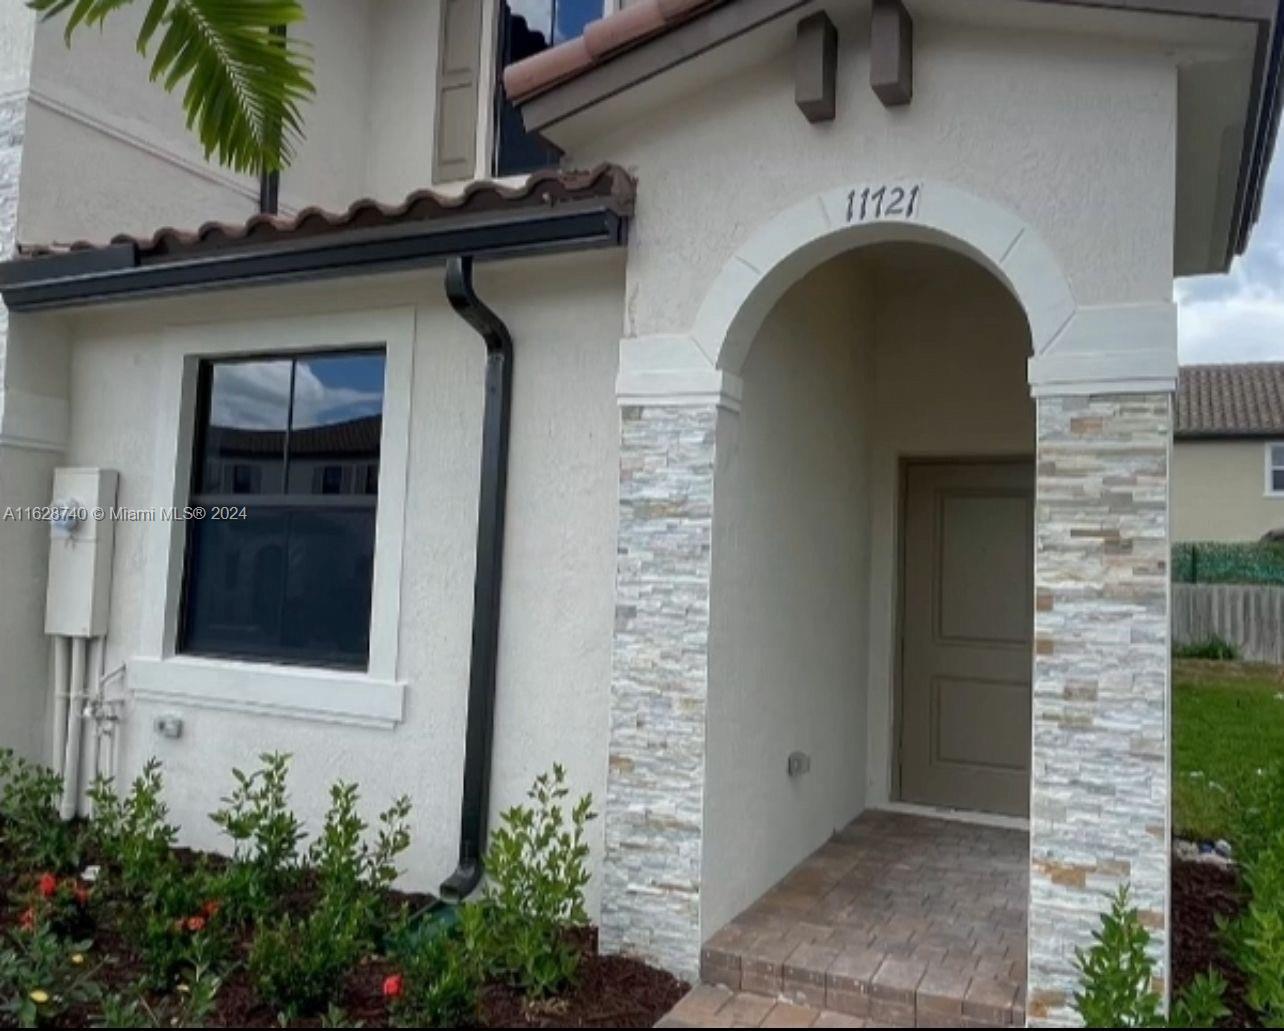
(488, 577)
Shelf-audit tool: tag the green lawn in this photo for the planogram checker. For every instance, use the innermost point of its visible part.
(1228, 722)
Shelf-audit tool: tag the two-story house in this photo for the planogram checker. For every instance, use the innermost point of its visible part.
(774, 409)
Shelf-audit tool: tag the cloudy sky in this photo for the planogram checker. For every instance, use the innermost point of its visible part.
(1240, 317)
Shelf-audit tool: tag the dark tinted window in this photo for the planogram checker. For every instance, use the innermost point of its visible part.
(526, 28)
(295, 442)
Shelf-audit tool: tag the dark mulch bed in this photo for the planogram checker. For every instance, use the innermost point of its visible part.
(612, 991)
(1202, 892)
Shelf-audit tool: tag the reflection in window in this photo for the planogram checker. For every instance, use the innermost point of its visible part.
(1275, 468)
(295, 442)
(527, 27)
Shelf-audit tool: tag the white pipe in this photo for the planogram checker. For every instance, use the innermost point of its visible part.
(95, 708)
(60, 686)
(75, 701)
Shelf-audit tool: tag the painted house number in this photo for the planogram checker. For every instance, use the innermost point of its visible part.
(878, 202)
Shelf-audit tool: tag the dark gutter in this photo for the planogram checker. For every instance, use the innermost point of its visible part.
(1227, 436)
(118, 273)
(1264, 130)
(479, 732)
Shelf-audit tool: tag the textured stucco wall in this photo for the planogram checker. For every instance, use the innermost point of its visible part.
(25, 474)
(1073, 134)
(25, 479)
(110, 152)
(1219, 491)
(1100, 788)
(404, 36)
(789, 580)
(558, 601)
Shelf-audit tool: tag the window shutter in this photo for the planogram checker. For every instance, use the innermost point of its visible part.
(458, 74)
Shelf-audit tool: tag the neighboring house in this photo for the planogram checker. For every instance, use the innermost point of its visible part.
(1228, 452)
(834, 434)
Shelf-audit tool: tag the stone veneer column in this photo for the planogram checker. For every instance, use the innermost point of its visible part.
(655, 788)
(1100, 772)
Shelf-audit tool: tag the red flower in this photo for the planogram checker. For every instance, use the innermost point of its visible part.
(28, 919)
(210, 908)
(195, 923)
(47, 885)
(392, 986)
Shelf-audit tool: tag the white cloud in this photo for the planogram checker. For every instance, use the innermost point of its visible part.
(255, 395)
(1239, 317)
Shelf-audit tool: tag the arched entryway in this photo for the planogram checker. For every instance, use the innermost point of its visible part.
(871, 623)
(747, 440)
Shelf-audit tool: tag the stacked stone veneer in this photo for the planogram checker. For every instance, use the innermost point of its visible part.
(1100, 771)
(655, 787)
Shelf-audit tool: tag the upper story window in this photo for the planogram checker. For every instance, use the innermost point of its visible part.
(526, 27)
(287, 456)
(1275, 468)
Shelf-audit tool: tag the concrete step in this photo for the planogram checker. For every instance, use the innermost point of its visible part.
(709, 1005)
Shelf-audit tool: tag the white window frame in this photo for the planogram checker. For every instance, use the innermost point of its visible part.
(1271, 445)
(374, 697)
(489, 82)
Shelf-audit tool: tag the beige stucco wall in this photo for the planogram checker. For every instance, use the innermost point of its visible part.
(788, 607)
(1219, 491)
(25, 479)
(108, 151)
(1073, 134)
(558, 601)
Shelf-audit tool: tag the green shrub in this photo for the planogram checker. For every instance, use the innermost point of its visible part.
(300, 966)
(536, 870)
(131, 833)
(1214, 649)
(1117, 988)
(349, 870)
(438, 980)
(180, 926)
(191, 1007)
(31, 829)
(61, 903)
(1257, 936)
(1257, 814)
(42, 976)
(265, 834)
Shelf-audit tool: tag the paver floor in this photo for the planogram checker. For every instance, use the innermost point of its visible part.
(897, 921)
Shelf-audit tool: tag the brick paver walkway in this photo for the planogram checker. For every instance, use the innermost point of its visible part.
(898, 920)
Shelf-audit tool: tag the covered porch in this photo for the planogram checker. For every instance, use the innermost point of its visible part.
(884, 563)
(899, 920)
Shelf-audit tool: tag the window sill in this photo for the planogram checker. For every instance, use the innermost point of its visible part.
(294, 692)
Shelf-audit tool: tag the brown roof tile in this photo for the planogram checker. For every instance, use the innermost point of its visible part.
(602, 39)
(543, 189)
(1231, 400)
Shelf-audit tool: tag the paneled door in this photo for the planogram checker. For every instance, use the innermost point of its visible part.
(966, 625)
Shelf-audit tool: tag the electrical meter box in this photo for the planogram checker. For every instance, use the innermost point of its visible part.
(82, 534)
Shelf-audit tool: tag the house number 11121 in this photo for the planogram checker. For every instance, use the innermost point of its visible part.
(874, 202)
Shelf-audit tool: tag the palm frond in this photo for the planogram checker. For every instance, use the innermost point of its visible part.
(245, 82)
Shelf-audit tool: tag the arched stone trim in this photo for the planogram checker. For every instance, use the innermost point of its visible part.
(804, 236)
(1075, 349)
